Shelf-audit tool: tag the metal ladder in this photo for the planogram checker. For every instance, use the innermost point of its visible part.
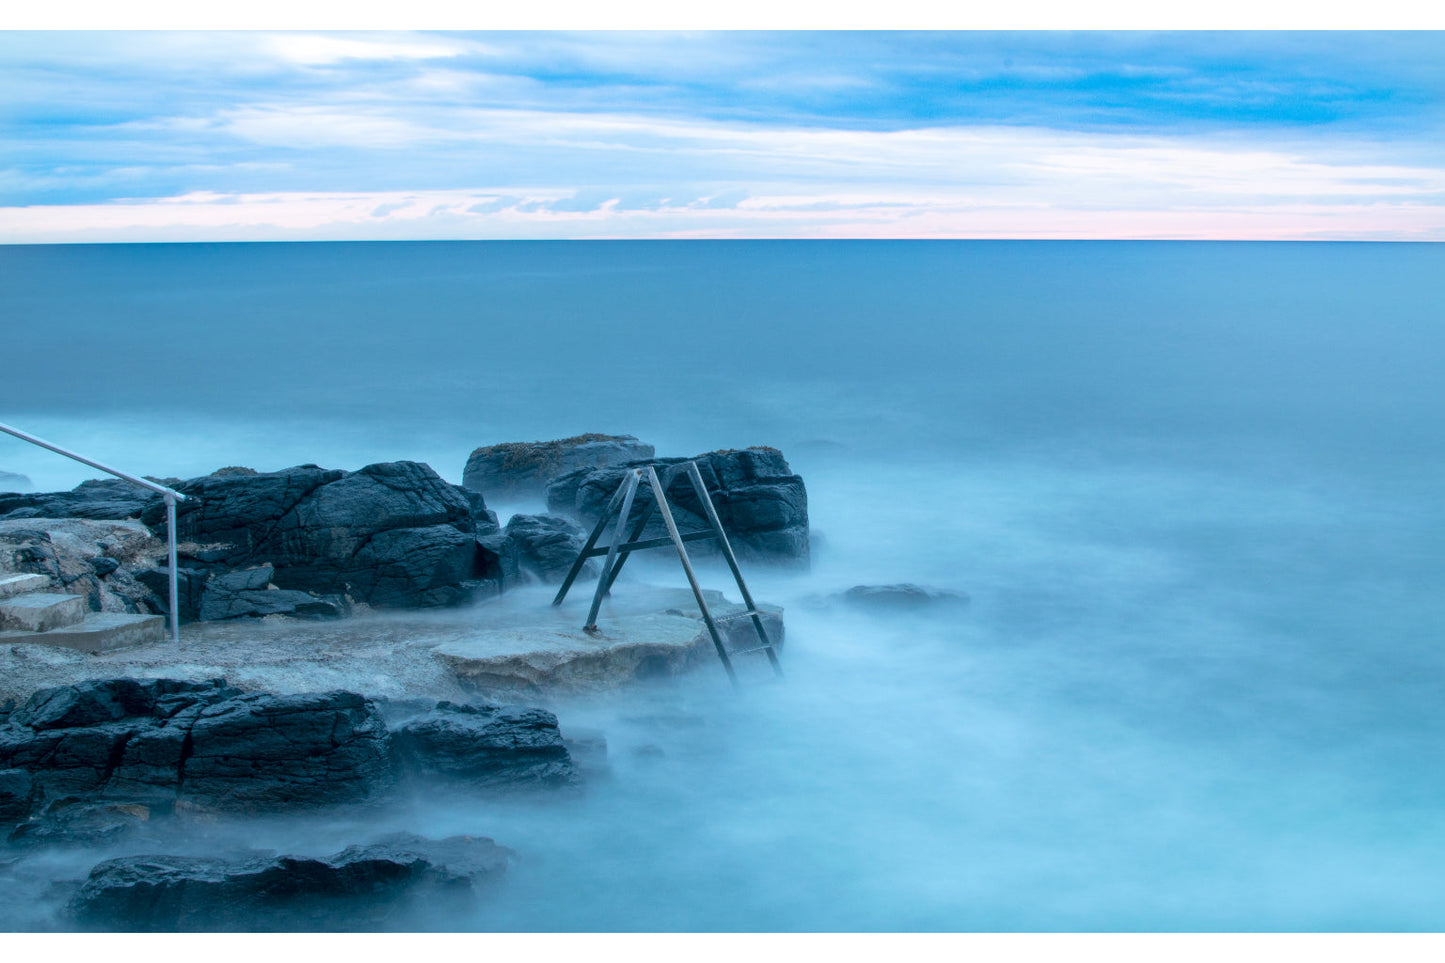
(624, 544)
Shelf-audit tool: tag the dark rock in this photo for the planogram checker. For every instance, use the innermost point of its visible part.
(523, 469)
(17, 796)
(360, 888)
(103, 565)
(762, 505)
(76, 822)
(483, 518)
(904, 597)
(392, 534)
(497, 559)
(246, 593)
(488, 745)
(163, 741)
(190, 589)
(547, 545)
(111, 498)
(260, 752)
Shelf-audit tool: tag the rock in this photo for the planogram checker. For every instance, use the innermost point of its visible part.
(393, 535)
(190, 589)
(487, 745)
(17, 792)
(523, 469)
(72, 822)
(904, 597)
(762, 505)
(261, 752)
(362, 887)
(110, 498)
(497, 559)
(13, 482)
(547, 545)
(165, 741)
(248, 593)
(78, 554)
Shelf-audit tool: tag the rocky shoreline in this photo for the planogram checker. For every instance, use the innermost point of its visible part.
(345, 643)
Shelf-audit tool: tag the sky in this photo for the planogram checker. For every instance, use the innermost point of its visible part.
(238, 135)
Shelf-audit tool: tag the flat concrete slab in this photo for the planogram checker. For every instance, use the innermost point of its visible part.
(514, 646)
(650, 634)
(41, 611)
(12, 585)
(98, 632)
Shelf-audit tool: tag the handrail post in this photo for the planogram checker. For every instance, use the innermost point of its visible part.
(171, 561)
(169, 494)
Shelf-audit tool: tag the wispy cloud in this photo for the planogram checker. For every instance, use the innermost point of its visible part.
(242, 136)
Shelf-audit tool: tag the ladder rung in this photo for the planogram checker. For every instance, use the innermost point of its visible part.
(756, 648)
(650, 543)
(741, 615)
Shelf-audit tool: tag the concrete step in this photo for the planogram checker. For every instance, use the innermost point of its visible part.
(12, 585)
(41, 611)
(97, 632)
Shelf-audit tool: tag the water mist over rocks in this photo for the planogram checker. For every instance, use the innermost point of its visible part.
(1191, 491)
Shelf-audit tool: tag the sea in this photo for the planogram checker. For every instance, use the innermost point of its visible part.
(1193, 491)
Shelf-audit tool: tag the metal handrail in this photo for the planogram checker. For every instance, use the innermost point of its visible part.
(170, 494)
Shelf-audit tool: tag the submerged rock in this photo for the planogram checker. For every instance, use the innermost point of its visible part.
(359, 888)
(487, 745)
(903, 597)
(523, 469)
(762, 505)
(13, 482)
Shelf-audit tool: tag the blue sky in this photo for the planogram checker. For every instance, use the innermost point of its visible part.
(229, 135)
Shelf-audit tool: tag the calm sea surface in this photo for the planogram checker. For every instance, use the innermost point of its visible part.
(1192, 488)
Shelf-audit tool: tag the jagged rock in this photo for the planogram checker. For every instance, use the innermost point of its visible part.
(357, 889)
(488, 745)
(762, 505)
(547, 545)
(75, 554)
(392, 534)
(523, 469)
(903, 597)
(13, 482)
(163, 741)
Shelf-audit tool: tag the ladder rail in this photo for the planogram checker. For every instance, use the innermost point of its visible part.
(582, 556)
(707, 506)
(633, 477)
(666, 514)
(623, 543)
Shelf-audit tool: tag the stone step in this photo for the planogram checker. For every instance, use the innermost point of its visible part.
(41, 611)
(97, 632)
(12, 584)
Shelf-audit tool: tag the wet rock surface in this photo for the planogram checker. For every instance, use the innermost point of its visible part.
(165, 742)
(392, 535)
(762, 505)
(547, 545)
(523, 469)
(487, 744)
(360, 888)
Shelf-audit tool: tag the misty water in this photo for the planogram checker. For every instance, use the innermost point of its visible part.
(1191, 489)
